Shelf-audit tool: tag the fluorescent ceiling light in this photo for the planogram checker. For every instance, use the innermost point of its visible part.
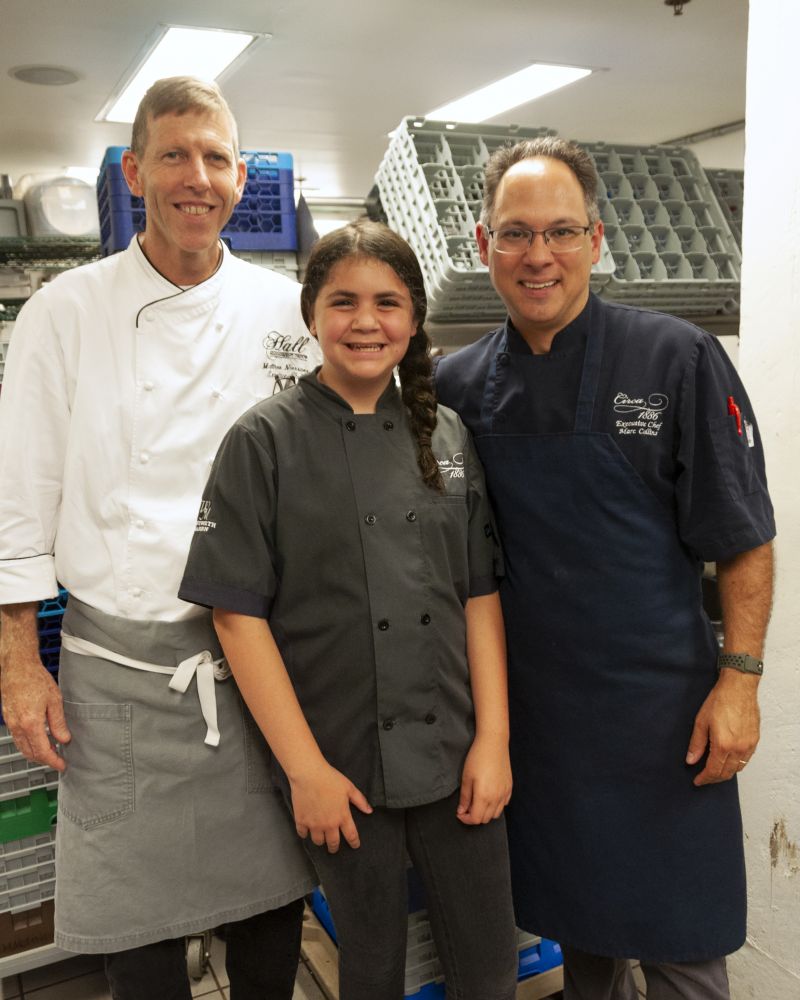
(519, 88)
(176, 51)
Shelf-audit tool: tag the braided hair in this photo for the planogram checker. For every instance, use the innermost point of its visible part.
(373, 240)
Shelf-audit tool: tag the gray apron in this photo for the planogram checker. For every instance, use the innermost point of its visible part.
(160, 833)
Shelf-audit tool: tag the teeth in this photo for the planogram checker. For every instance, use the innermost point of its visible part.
(365, 347)
(195, 209)
(541, 284)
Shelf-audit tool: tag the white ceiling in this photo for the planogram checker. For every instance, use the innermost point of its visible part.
(337, 75)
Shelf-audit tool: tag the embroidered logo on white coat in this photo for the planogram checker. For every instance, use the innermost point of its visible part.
(645, 417)
(285, 358)
(452, 468)
(204, 522)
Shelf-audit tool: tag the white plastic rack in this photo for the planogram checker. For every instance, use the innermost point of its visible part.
(668, 243)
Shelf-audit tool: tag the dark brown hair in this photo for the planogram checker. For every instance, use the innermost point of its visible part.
(575, 157)
(373, 240)
(178, 95)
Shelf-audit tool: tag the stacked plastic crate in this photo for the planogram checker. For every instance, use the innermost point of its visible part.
(430, 185)
(728, 186)
(28, 805)
(672, 245)
(264, 219)
(424, 978)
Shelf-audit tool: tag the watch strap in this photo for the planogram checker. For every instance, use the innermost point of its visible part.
(741, 661)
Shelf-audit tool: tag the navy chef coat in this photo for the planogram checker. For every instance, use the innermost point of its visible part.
(662, 398)
(317, 519)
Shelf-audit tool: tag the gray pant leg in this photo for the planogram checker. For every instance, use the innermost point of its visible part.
(595, 977)
(687, 980)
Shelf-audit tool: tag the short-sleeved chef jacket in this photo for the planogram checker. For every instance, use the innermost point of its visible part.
(317, 518)
(662, 397)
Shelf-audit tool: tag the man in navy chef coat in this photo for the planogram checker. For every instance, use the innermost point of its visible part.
(621, 453)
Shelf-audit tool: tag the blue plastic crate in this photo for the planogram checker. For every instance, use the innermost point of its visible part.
(53, 605)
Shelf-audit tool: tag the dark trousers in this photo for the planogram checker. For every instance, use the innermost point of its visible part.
(595, 977)
(261, 959)
(464, 870)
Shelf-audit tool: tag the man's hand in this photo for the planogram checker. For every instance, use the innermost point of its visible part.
(728, 724)
(31, 699)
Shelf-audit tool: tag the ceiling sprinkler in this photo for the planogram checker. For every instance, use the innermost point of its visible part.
(677, 5)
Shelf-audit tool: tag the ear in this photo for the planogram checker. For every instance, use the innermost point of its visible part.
(312, 329)
(130, 171)
(597, 242)
(241, 178)
(482, 237)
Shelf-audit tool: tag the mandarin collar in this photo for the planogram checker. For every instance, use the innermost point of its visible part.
(571, 337)
(390, 399)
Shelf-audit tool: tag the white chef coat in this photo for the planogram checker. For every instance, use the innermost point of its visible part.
(118, 389)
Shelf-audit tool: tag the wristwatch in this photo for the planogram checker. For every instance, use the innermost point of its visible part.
(741, 661)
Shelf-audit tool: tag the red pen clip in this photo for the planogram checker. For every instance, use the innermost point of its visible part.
(734, 411)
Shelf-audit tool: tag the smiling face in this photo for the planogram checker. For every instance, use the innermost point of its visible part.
(191, 181)
(542, 291)
(364, 319)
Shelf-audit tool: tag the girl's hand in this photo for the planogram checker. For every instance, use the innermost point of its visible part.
(485, 781)
(321, 800)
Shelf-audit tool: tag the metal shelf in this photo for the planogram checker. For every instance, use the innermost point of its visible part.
(47, 253)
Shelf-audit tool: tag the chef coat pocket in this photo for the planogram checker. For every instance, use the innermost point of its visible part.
(97, 786)
(257, 755)
(735, 458)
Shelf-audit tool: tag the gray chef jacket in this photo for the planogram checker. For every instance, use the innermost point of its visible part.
(317, 519)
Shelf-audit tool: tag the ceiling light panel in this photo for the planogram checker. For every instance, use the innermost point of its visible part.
(518, 88)
(177, 51)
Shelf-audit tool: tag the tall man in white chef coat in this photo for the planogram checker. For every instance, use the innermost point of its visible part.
(121, 380)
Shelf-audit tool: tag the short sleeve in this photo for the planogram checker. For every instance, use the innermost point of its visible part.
(231, 557)
(721, 488)
(485, 555)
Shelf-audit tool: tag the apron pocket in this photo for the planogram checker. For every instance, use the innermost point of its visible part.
(97, 786)
(257, 755)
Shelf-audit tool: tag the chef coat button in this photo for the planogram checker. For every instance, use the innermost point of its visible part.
(388, 724)
(351, 425)
(388, 425)
(502, 359)
(411, 515)
(370, 519)
(147, 386)
(136, 592)
(216, 393)
(425, 619)
(150, 318)
(383, 624)
(138, 523)
(144, 457)
(430, 718)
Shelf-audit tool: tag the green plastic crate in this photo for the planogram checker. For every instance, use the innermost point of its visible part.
(28, 815)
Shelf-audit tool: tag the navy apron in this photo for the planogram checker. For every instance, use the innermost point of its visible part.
(613, 850)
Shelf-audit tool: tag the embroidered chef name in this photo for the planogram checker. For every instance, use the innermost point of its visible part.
(452, 468)
(644, 416)
(204, 522)
(285, 358)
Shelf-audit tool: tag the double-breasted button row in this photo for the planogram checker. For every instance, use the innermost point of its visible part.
(424, 619)
(389, 724)
(350, 425)
(370, 519)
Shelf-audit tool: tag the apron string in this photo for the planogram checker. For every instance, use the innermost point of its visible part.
(202, 664)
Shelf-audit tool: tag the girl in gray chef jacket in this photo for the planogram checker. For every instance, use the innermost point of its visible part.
(347, 548)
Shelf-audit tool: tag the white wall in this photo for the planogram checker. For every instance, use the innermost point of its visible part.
(768, 967)
(724, 152)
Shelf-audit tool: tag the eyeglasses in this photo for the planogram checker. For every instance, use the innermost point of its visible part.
(559, 239)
